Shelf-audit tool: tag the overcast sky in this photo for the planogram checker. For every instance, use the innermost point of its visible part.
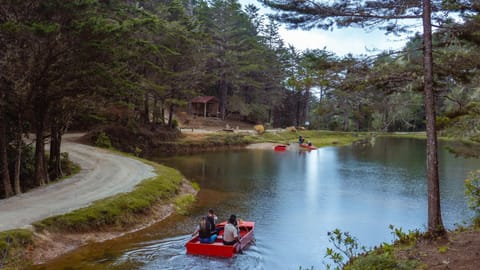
(340, 41)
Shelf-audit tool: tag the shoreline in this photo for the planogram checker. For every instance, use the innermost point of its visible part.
(50, 245)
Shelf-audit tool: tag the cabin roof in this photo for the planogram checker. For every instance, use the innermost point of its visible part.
(205, 99)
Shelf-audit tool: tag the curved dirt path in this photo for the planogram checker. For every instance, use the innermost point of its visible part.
(103, 174)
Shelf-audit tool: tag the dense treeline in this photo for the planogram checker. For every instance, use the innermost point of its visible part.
(124, 61)
(136, 63)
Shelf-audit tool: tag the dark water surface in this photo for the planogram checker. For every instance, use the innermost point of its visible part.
(295, 198)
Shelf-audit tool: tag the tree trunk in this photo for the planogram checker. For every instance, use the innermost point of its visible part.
(297, 113)
(4, 172)
(307, 109)
(435, 224)
(162, 112)
(146, 112)
(18, 159)
(223, 95)
(41, 176)
(155, 113)
(55, 164)
(170, 116)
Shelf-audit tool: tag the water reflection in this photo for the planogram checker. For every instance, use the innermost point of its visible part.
(295, 198)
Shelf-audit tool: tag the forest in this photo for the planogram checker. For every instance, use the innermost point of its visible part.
(67, 65)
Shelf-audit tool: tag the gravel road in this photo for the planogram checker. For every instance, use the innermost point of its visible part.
(103, 174)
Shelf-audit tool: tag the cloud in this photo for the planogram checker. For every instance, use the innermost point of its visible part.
(342, 41)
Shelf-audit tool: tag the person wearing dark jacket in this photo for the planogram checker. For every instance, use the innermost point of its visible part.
(206, 233)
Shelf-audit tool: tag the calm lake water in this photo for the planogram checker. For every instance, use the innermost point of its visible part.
(295, 198)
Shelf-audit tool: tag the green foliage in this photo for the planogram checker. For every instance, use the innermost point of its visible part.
(13, 243)
(349, 255)
(346, 248)
(442, 249)
(103, 140)
(408, 238)
(68, 167)
(196, 186)
(382, 261)
(183, 203)
(174, 123)
(119, 210)
(442, 122)
(472, 191)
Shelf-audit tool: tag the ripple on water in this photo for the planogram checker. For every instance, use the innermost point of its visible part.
(169, 254)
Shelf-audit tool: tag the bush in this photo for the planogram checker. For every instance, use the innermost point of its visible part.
(408, 238)
(472, 191)
(13, 244)
(103, 140)
(260, 129)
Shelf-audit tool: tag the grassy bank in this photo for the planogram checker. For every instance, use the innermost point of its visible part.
(318, 138)
(119, 211)
(13, 247)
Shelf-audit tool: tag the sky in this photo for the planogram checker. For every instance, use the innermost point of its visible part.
(340, 41)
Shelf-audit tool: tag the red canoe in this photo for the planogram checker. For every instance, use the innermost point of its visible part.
(306, 146)
(217, 248)
(280, 147)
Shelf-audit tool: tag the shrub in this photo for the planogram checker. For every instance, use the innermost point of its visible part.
(13, 244)
(174, 123)
(103, 140)
(346, 248)
(472, 191)
(349, 255)
(260, 129)
(408, 238)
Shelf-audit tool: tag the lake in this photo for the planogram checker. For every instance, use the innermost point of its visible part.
(295, 197)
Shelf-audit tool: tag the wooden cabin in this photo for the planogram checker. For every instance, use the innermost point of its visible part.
(206, 106)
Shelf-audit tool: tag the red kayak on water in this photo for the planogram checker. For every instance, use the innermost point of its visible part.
(306, 146)
(280, 148)
(217, 248)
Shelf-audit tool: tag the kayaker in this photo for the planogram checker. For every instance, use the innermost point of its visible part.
(301, 140)
(206, 233)
(230, 233)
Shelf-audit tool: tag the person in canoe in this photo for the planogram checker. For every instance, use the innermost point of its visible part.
(301, 140)
(212, 219)
(206, 233)
(230, 232)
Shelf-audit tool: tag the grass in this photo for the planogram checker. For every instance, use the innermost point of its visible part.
(318, 138)
(183, 203)
(215, 139)
(120, 210)
(13, 244)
